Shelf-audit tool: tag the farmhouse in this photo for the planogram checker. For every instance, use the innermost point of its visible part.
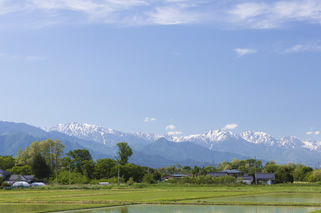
(231, 172)
(9, 178)
(265, 178)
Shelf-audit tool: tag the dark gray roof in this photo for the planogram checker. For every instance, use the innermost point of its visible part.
(217, 174)
(4, 173)
(29, 177)
(16, 178)
(231, 171)
(178, 175)
(265, 176)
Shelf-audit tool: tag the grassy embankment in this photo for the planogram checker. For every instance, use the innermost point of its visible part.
(56, 198)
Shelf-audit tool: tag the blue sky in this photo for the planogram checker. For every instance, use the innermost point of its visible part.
(163, 66)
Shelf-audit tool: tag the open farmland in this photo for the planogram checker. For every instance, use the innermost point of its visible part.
(57, 199)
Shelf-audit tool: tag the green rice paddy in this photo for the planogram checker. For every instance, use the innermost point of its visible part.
(57, 199)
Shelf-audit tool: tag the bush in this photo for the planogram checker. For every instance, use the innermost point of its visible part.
(113, 180)
(130, 181)
(204, 180)
(149, 178)
(315, 176)
(4, 185)
(75, 178)
(94, 182)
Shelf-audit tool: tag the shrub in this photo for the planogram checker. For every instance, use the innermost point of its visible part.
(149, 178)
(130, 181)
(75, 178)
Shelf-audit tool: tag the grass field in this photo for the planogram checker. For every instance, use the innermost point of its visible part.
(75, 197)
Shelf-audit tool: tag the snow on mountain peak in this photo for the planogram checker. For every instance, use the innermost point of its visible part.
(210, 136)
(84, 131)
(291, 141)
(258, 138)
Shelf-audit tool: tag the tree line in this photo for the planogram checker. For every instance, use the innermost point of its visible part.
(46, 161)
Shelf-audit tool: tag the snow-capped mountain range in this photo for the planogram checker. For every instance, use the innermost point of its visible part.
(164, 150)
(110, 137)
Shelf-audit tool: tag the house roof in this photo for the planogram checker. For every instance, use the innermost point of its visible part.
(217, 174)
(178, 175)
(4, 173)
(17, 178)
(20, 178)
(231, 171)
(265, 176)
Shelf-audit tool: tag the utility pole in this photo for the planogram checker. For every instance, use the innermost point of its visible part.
(69, 172)
(56, 169)
(118, 172)
(118, 161)
(255, 170)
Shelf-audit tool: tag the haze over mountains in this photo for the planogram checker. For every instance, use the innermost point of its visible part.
(164, 150)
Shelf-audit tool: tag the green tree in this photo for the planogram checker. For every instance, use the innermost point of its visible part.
(124, 152)
(196, 170)
(81, 162)
(49, 149)
(149, 178)
(104, 168)
(22, 170)
(301, 172)
(39, 167)
(315, 176)
(7, 162)
(270, 167)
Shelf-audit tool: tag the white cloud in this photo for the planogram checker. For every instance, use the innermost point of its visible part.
(247, 13)
(125, 12)
(313, 133)
(175, 133)
(314, 47)
(241, 51)
(273, 14)
(170, 127)
(14, 57)
(171, 15)
(230, 126)
(149, 119)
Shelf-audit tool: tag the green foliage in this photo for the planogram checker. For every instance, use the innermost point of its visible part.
(7, 162)
(81, 161)
(283, 174)
(39, 167)
(131, 170)
(270, 167)
(22, 170)
(301, 172)
(4, 185)
(75, 178)
(130, 181)
(124, 152)
(207, 180)
(196, 171)
(49, 149)
(105, 168)
(113, 180)
(314, 176)
(149, 178)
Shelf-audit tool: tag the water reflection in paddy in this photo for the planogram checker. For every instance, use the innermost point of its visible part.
(199, 209)
(274, 198)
